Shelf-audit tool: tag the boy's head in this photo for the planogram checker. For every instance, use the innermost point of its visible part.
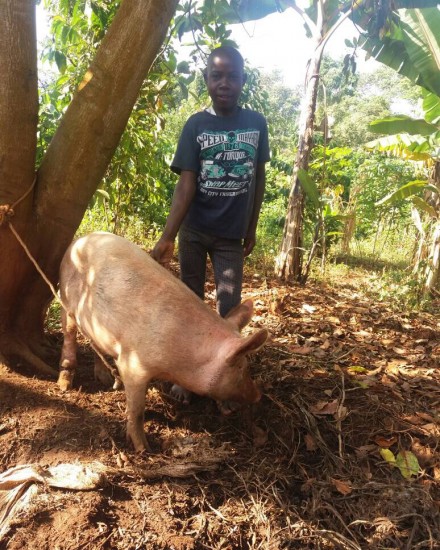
(225, 77)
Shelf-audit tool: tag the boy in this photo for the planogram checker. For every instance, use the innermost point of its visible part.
(221, 159)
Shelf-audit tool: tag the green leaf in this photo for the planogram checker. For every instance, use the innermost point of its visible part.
(309, 187)
(423, 205)
(408, 464)
(388, 455)
(410, 46)
(402, 123)
(431, 106)
(404, 146)
(103, 193)
(403, 192)
(249, 10)
(183, 67)
(422, 41)
(60, 60)
(357, 369)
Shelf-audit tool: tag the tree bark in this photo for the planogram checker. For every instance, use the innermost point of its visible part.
(433, 261)
(289, 261)
(76, 159)
(18, 138)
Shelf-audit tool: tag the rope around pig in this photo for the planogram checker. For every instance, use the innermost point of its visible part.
(7, 212)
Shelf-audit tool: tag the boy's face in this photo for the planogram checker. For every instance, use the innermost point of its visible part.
(224, 79)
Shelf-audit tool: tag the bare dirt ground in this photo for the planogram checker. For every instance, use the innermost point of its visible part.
(347, 382)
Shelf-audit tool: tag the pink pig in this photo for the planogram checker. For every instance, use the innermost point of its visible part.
(134, 310)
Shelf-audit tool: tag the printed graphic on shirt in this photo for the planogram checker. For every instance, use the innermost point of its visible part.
(227, 161)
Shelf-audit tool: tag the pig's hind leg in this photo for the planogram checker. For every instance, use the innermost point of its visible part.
(68, 354)
(107, 376)
(180, 394)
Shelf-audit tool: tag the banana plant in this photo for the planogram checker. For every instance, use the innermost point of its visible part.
(408, 42)
(417, 140)
(324, 215)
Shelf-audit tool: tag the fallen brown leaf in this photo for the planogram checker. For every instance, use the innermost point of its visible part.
(343, 487)
(385, 442)
(325, 407)
(301, 350)
(310, 442)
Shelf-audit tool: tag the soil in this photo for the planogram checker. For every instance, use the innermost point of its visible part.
(349, 385)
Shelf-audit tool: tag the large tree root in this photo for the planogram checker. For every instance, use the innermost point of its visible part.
(11, 345)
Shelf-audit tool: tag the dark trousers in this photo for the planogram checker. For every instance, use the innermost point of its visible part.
(227, 260)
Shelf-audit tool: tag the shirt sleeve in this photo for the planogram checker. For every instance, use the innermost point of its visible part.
(263, 145)
(187, 155)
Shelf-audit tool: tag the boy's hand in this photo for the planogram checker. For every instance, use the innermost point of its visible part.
(248, 244)
(163, 251)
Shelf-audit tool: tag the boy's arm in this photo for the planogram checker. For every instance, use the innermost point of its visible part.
(182, 198)
(260, 184)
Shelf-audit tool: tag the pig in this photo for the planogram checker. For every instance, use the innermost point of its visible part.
(134, 310)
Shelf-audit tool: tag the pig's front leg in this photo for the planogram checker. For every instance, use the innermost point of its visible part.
(68, 353)
(135, 395)
(135, 382)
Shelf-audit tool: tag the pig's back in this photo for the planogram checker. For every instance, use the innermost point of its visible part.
(118, 293)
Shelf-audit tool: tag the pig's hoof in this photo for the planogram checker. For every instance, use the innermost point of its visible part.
(180, 394)
(139, 443)
(65, 379)
(107, 378)
(118, 385)
(228, 407)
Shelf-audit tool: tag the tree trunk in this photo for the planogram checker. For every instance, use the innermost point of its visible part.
(433, 262)
(432, 268)
(289, 261)
(75, 161)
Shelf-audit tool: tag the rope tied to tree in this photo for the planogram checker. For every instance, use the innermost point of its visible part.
(6, 212)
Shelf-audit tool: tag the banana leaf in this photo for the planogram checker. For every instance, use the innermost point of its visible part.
(407, 190)
(309, 186)
(410, 45)
(402, 123)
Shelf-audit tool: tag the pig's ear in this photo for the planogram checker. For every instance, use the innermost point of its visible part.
(247, 345)
(240, 315)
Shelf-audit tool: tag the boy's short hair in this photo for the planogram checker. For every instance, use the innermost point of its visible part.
(231, 52)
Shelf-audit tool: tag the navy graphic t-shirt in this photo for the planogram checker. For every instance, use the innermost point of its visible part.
(224, 152)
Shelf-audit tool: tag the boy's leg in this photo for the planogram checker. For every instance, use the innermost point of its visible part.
(227, 260)
(192, 260)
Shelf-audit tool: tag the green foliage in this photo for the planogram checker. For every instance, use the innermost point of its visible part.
(402, 123)
(338, 81)
(135, 193)
(352, 106)
(310, 188)
(409, 44)
(377, 175)
(418, 139)
(281, 107)
(138, 181)
(405, 191)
